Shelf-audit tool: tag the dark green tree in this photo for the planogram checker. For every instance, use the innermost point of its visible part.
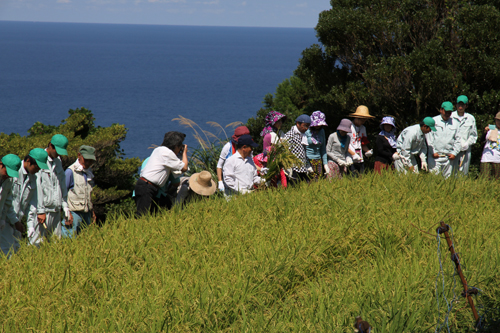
(114, 174)
(398, 57)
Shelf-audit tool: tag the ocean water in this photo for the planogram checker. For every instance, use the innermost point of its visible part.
(141, 76)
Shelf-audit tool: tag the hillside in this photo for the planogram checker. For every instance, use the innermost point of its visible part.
(309, 259)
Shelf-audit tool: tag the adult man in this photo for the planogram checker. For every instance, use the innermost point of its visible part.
(297, 141)
(51, 190)
(227, 151)
(162, 162)
(240, 172)
(444, 144)
(79, 183)
(467, 133)
(411, 142)
(24, 193)
(9, 167)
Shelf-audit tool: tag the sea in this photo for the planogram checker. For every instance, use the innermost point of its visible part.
(142, 76)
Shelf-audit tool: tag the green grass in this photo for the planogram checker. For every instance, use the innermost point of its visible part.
(308, 259)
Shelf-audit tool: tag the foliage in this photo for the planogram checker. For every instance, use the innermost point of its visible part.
(206, 155)
(398, 57)
(306, 259)
(114, 175)
(280, 157)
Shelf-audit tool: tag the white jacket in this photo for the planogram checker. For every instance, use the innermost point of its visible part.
(24, 192)
(7, 210)
(51, 187)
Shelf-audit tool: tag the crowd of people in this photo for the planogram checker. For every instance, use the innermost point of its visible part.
(37, 193)
(53, 201)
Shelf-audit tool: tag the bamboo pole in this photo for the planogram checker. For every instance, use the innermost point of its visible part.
(456, 259)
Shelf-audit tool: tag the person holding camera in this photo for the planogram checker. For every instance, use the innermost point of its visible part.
(163, 161)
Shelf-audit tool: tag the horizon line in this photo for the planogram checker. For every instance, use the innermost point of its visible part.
(149, 24)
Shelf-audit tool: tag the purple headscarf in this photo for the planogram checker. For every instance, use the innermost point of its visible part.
(271, 119)
(391, 136)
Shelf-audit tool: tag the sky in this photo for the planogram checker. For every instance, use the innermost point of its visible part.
(246, 13)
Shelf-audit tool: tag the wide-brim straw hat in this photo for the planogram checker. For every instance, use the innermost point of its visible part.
(361, 112)
(202, 183)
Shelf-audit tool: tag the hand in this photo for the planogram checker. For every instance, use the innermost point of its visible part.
(69, 216)
(356, 158)
(221, 186)
(341, 163)
(435, 155)
(487, 128)
(185, 149)
(369, 153)
(424, 166)
(465, 146)
(396, 156)
(264, 171)
(41, 218)
(310, 170)
(94, 218)
(451, 156)
(327, 169)
(348, 161)
(19, 227)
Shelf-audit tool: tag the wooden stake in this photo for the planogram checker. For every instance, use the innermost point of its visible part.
(456, 259)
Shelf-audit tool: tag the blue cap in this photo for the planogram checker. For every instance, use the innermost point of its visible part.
(303, 118)
(246, 140)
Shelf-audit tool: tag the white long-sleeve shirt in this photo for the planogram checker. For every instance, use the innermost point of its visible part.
(411, 141)
(467, 129)
(240, 173)
(445, 140)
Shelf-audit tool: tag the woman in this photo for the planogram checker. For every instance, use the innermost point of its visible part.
(359, 140)
(337, 149)
(272, 134)
(316, 148)
(490, 159)
(386, 145)
(198, 186)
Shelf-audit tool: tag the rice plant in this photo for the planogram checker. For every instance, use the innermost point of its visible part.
(304, 259)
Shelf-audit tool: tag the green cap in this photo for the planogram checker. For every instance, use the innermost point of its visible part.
(447, 106)
(12, 164)
(87, 152)
(40, 156)
(462, 99)
(431, 123)
(61, 143)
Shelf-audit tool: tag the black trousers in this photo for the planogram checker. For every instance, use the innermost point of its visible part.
(146, 200)
(297, 177)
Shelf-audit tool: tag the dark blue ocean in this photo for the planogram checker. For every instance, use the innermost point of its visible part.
(141, 76)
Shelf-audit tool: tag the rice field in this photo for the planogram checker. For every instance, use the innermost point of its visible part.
(308, 259)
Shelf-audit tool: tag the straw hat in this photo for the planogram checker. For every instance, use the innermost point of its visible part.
(361, 112)
(201, 183)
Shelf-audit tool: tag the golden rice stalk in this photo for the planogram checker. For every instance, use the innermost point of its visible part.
(280, 157)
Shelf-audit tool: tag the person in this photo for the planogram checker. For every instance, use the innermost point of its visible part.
(227, 151)
(9, 168)
(51, 191)
(24, 193)
(272, 135)
(316, 145)
(337, 149)
(490, 158)
(444, 144)
(467, 133)
(79, 183)
(240, 172)
(298, 141)
(359, 141)
(162, 162)
(200, 185)
(386, 145)
(411, 142)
